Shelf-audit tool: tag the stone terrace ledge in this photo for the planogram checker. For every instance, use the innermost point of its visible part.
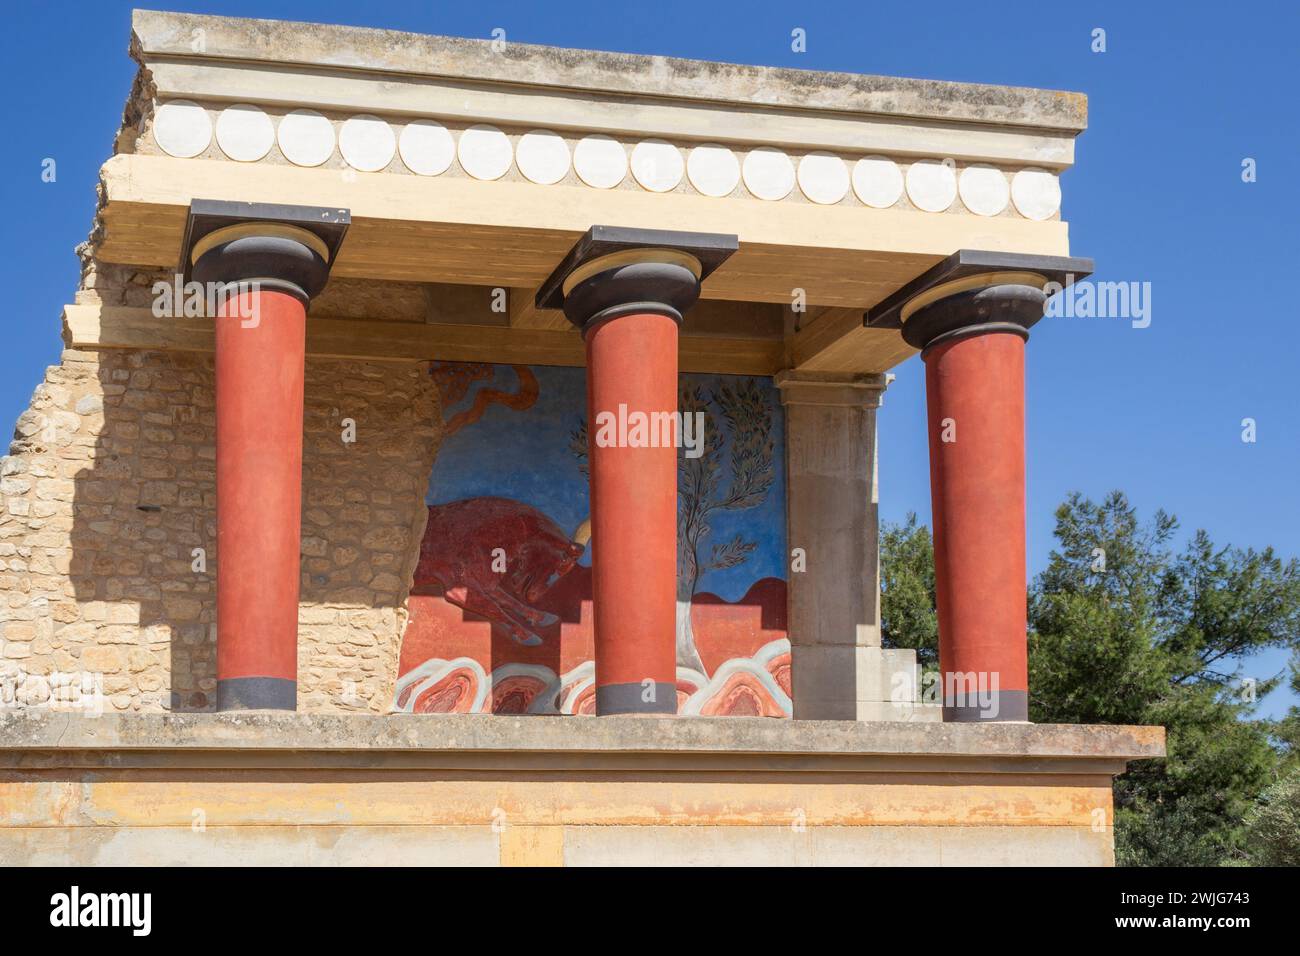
(778, 745)
(300, 789)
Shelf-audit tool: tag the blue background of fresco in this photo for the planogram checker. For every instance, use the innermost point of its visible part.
(524, 455)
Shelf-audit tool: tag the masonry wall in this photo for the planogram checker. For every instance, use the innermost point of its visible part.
(109, 488)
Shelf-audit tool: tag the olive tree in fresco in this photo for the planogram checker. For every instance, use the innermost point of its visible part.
(734, 472)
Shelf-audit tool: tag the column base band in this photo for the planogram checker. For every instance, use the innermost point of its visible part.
(1004, 705)
(629, 699)
(257, 693)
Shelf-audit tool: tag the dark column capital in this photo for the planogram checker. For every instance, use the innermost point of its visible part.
(282, 248)
(972, 292)
(613, 271)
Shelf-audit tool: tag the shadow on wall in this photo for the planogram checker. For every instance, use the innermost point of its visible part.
(144, 556)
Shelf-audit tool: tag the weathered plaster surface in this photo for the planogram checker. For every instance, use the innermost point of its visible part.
(286, 789)
(356, 48)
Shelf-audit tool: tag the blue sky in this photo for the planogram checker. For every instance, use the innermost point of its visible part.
(1182, 94)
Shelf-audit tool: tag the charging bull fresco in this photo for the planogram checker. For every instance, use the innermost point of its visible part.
(500, 611)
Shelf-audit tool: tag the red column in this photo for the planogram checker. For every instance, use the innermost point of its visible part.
(975, 390)
(631, 371)
(970, 316)
(627, 290)
(259, 393)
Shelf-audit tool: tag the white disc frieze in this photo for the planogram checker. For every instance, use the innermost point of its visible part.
(426, 147)
(877, 181)
(1036, 193)
(181, 128)
(984, 190)
(931, 185)
(823, 178)
(484, 152)
(600, 161)
(713, 169)
(768, 173)
(245, 133)
(657, 165)
(367, 143)
(306, 137)
(542, 156)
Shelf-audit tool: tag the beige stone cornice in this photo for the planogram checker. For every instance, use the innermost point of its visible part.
(188, 37)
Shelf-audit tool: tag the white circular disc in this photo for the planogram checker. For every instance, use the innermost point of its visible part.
(306, 137)
(768, 173)
(367, 143)
(823, 178)
(182, 128)
(542, 156)
(931, 185)
(984, 190)
(245, 133)
(877, 181)
(713, 169)
(600, 161)
(657, 165)
(426, 147)
(484, 152)
(1036, 193)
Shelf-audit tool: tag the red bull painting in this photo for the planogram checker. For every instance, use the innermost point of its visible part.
(500, 611)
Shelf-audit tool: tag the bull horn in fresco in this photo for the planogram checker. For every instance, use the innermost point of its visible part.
(583, 534)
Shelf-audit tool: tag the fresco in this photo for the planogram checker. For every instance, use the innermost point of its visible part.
(500, 612)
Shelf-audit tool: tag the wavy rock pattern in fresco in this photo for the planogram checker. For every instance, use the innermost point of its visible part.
(743, 687)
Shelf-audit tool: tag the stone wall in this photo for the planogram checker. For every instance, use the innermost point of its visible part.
(109, 489)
